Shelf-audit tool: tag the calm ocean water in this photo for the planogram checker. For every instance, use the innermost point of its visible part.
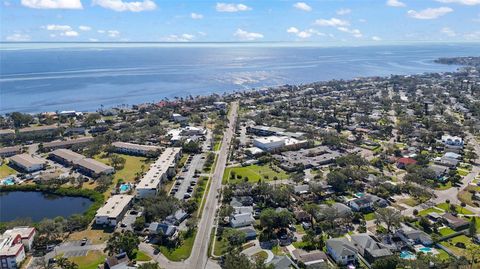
(39, 77)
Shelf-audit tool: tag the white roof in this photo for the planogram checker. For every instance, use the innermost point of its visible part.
(114, 205)
(154, 176)
(269, 139)
(27, 160)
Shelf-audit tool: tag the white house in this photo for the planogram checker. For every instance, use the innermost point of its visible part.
(27, 234)
(342, 251)
(178, 118)
(452, 140)
(114, 209)
(241, 220)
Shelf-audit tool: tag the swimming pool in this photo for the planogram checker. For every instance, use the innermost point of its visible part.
(8, 182)
(407, 255)
(125, 187)
(425, 249)
(359, 194)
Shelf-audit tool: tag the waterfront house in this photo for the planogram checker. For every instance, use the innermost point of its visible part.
(12, 251)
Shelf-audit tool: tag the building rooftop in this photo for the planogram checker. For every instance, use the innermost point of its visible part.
(27, 160)
(93, 165)
(67, 155)
(135, 146)
(114, 205)
(154, 176)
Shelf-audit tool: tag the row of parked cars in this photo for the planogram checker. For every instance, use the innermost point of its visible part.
(180, 179)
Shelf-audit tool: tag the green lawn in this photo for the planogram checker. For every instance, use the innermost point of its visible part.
(446, 231)
(429, 210)
(91, 261)
(254, 173)
(444, 186)
(142, 257)
(6, 170)
(220, 246)
(133, 165)
(409, 201)
(369, 216)
(462, 172)
(450, 243)
(182, 252)
(460, 209)
(466, 196)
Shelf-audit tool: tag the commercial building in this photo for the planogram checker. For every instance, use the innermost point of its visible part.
(114, 209)
(135, 149)
(163, 168)
(27, 163)
(273, 143)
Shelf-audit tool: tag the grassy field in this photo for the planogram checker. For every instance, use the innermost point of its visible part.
(142, 257)
(253, 173)
(409, 201)
(369, 216)
(91, 261)
(450, 243)
(465, 195)
(460, 209)
(446, 231)
(133, 165)
(6, 170)
(444, 186)
(220, 246)
(97, 236)
(182, 252)
(429, 210)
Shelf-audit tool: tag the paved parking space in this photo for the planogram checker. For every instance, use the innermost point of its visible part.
(188, 176)
(75, 253)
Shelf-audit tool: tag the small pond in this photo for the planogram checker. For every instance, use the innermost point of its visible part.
(39, 205)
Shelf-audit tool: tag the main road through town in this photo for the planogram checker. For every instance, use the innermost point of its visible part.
(199, 257)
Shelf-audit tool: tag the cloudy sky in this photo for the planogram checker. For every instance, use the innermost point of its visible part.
(328, 22)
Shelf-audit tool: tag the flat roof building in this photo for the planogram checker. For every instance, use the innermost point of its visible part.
(28, 162)
(135, 149)
(10, 151)
(67, 143)
(88, 166)
(113, 210)
(163, 168)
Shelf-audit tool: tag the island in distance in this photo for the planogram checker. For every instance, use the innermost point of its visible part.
(373, 172)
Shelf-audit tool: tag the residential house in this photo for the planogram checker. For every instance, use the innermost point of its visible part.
(342, 251)
(120, 261)
(241, 220)
(250, 232)
(12, 251)
(163, 229)
(454, 222)
(281, 262)
(27, 234)
(361, 204)
(370, 249)
(412, 236)
(402, 163)
(315, 259)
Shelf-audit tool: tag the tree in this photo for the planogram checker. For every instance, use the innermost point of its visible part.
(66, 264)
(236, 260)
(338, 181)
(117, 161)
(148, 265)
(123, 242)
(234, 237)
(472, 229)
(103, 182)
(21, 119)
(386, 263)
(389, 216)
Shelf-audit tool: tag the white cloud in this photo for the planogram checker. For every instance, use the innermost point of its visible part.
(344, 11)
(302, 6)
(56, 27)
(93, 40)
(113, 33)
(119, 5)
(84, 28)
(69, 33)
(178, 38)
(229, 7)
(247, 36)
(101, 31)
(53, 4)
(376, 38)
(395, 3)
(429, 13)
(462, 2)
(292, 30)
(18, 37)
(448, 31)
(196, 16)
(334, 22)
(304, 34)
(473, 36)
(355, 32)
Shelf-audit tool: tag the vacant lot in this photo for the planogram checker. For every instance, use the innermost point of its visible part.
(253, 173)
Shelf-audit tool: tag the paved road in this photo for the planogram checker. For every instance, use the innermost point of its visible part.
(198, 258)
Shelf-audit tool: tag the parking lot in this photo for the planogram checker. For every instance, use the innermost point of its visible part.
(186, 179)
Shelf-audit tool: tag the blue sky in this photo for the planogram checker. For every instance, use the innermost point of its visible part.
(329, 22)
